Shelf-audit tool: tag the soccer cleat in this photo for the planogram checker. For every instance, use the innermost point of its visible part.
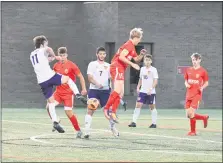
(152, 126)
(81, 98)
(86, 136)
(191, 133)
(133, 124)
(125, 106)
(114, 117)
(56, 126)
(206, 121)
(79, 134)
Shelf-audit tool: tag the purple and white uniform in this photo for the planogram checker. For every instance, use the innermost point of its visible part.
(46, 77)
(101, 74)
(147, 75)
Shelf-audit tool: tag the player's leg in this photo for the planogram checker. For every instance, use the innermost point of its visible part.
(190, 114)
(152, 102)
(57, 101)
(73, 87)
(195, 104)
(124, 104)
(68, 106)
(141, 99)
(88, 117)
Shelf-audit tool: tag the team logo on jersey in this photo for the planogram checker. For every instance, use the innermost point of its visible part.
(66, 71)
(105, 67)
(197, 75)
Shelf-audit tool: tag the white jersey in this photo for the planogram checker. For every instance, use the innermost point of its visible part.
(41, 65)
(100, 73)
(147, 75)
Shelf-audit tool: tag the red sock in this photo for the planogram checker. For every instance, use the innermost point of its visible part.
(116, 104)
(193, 124)
(111, 100)
(74, 122)
(199, 117)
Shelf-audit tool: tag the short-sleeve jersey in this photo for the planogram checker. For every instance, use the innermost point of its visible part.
(147, 75)
(69, 69)
(41, 65)
(132, 53)
(195, 78)
(100, 73)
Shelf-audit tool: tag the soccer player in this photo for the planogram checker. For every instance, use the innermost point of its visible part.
(147, 93)
(47, 78)
(63, 93)
(119, 63)
(196, 80)
(100, 86)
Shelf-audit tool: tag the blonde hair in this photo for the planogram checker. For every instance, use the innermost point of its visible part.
(136, 32)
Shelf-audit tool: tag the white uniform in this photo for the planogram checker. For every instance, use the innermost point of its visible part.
(100, 73)
(148, 75)
(41, 65)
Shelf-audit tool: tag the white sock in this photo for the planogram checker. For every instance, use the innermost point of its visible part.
(88, 119)
(73, 86)
(122, 102)
(136, 114)
(154, 116)
(52, 112)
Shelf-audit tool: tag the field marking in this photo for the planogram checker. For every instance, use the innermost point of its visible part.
(35, 138)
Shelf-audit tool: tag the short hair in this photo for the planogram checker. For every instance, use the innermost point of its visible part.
(62, 50)
(100, 49)
(136, 32)
(39, 40)
(196, 55)
(148, 56)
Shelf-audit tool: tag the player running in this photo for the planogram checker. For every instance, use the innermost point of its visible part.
(63, 93)
(147, 93)
(100, 87)
(119, 63)
(47, 78)
(196, 80)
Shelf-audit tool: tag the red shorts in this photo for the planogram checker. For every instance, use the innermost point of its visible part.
(193, 102)
(66, 99)
(117, 73)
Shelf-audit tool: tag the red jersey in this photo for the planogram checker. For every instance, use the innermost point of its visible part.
(132, 54)
(195, 78)
(69, 69)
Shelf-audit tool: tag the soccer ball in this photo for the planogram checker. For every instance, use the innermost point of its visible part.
(92, 103)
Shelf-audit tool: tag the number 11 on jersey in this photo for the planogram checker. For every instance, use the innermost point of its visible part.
(35, 59)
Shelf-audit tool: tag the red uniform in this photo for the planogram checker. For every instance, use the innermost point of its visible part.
(195, 78)
(63, 93)
(117, 67)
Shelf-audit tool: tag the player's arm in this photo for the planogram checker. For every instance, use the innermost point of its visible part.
(155, 80)
(138, 58)
(205, 79)
(186, 78)
(139, 82)
(78, 73)
(50, 54)
(90, 75)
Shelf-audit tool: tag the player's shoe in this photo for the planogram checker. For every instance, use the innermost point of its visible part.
(86, 136)
(56, 126)
(114, 117)
(81, 98)
(115, 132)
(133, 124)
(125, 106)
(152, 126)
(191, 133)
(206, 121)
(79, 134)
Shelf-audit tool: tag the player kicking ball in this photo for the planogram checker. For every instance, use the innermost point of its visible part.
(99, 90)
(146, 91)
(118, 66)
(196, 80)
(47, 78)
(63, 93)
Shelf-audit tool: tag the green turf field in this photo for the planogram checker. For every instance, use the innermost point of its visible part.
(27, 136)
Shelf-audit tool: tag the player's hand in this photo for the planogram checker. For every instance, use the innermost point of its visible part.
(135, 66)
(149, 92)
(99, 86)
(137, 89)
(143, 52)
(83, 92)
(187, 85)
(58, 58)
(201, 89)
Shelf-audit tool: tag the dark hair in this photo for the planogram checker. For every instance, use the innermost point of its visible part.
(39, 40)
(62, 50)
(196, 55)
(100, 49)
(148, 56)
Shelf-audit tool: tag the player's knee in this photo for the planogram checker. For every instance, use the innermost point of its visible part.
(51, 99)
(152, 106)
(65, 79)
(138, 104)
(90, 112)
